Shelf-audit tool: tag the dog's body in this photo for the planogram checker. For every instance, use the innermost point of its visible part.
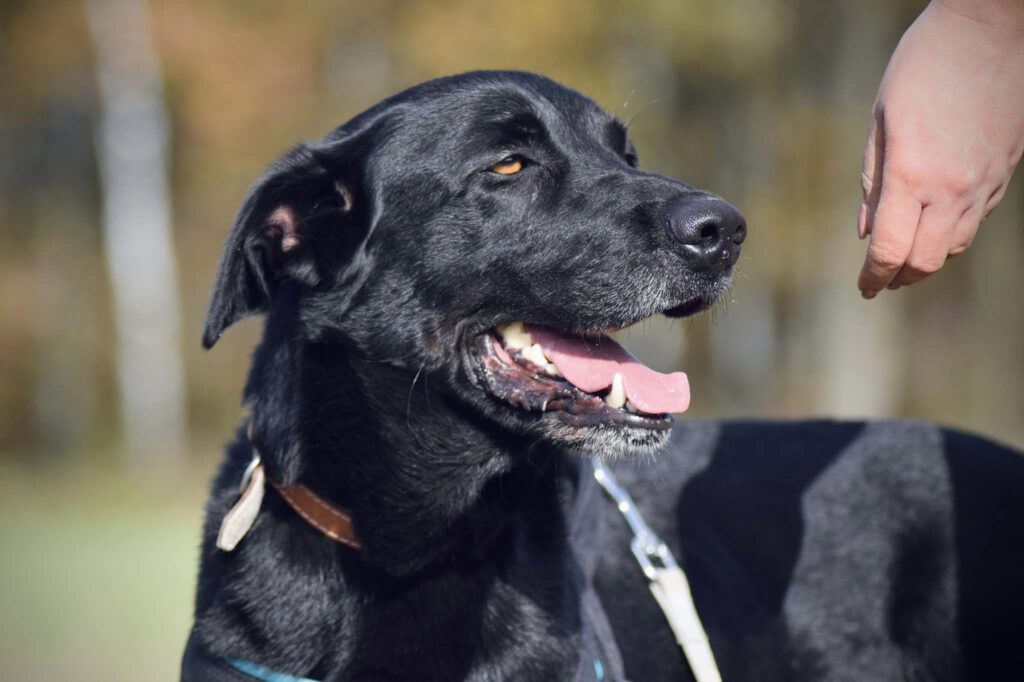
(386, 257)
(831, 551)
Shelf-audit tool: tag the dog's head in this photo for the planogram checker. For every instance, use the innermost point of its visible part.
(485, 231)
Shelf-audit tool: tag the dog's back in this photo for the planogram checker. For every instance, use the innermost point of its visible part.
(830, 551)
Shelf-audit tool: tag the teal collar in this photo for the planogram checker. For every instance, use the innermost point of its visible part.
(262, 673)
(267, 675)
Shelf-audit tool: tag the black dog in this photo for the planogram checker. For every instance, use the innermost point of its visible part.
(394, 260)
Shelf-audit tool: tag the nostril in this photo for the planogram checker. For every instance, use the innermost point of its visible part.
(740, 234)
(709, 232)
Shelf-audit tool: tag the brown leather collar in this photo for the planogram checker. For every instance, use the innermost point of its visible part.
(333, 522)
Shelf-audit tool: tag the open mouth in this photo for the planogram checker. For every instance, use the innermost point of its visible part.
(587, 380)
(694, 305)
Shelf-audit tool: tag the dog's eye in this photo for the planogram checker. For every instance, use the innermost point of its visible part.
(510, 165)
(631, 159)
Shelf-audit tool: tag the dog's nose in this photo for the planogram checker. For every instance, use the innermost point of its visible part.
(710, 230)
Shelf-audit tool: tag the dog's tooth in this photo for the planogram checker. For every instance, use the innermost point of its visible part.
(551, 370)
(535, 354)
(617, 395)
(630, 407)
(515, 335)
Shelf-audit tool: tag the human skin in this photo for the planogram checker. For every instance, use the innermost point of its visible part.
(946, 133)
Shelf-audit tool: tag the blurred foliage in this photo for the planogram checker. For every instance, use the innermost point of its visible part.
(763, 101)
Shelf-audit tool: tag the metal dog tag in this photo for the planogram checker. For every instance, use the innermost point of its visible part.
(241, 516)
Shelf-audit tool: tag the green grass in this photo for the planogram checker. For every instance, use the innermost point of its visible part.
(96, 575)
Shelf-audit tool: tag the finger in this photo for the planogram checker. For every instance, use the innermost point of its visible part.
(892, 237)
(932, 242)
(994, 198)
(871, 174)
(863, 216)
(966, 229)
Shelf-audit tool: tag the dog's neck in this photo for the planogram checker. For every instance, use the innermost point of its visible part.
(422, 477)
(442, 514)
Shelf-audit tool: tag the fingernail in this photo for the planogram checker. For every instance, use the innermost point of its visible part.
(893, 287)
(868, 294)
(862, 221)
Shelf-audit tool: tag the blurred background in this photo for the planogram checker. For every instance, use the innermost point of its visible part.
(130, 130)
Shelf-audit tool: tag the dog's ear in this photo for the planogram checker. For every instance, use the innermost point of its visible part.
(302, 219)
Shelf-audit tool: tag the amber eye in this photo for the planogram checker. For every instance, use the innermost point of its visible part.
(508, 166)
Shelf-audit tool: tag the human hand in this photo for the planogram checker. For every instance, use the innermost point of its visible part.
(946, 134)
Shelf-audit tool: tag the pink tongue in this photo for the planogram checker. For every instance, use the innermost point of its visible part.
(591, 365)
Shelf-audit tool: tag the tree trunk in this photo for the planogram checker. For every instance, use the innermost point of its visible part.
(132, 150)
(862, 348)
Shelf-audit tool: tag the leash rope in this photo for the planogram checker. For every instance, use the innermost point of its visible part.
(666, 580)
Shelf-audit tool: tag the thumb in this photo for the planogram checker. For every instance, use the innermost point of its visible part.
(871, 174)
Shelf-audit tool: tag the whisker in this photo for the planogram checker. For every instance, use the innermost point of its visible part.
(408, 406)
(646, 107)
(625, 104)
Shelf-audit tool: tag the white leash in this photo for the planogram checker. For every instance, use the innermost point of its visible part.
(666, 579)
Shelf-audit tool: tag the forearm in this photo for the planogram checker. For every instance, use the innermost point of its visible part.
(1004, 17)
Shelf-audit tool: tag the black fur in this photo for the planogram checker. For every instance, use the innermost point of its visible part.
(817, 551)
